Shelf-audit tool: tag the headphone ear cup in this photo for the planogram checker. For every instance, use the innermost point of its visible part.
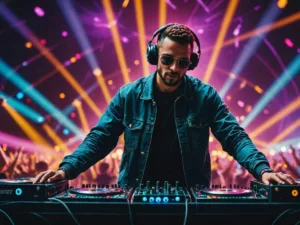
(152, 54)
(194, 59)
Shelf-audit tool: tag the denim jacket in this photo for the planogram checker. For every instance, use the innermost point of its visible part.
(133, 111)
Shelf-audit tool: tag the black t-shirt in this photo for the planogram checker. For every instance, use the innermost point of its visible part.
(164, 162)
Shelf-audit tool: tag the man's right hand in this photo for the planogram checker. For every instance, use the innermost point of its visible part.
(50, 176)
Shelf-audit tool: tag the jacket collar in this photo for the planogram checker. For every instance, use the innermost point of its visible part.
(147, 93)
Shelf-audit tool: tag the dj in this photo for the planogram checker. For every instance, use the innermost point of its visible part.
(166, 118)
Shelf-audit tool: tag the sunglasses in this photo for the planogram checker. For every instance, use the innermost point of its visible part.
(169, 61)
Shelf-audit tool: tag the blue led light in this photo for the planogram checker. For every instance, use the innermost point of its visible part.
(177, 199)
(66, 131)
(151, 199)
(158, 199)
(20, 95)
(165, 199)
(18, 191)
(145, 199)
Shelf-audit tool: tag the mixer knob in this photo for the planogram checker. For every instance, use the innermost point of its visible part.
(94, 186)
(83, 185)
(102, 185)
(99, 185)
(169, 188)
(107, 186)
(230, 186)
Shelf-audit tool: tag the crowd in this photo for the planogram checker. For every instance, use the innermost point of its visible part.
(18, 163)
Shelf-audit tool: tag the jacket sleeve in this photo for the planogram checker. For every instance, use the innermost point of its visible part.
(233, 138)
(100, 141)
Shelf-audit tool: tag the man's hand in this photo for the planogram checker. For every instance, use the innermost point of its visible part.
(50, 176)
(278, 177)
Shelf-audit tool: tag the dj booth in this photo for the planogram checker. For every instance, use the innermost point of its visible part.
(22, 202)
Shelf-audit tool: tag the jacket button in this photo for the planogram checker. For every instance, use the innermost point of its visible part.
(137, 179)
(142, 153)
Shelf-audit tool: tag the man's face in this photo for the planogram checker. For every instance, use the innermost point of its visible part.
(170, 75)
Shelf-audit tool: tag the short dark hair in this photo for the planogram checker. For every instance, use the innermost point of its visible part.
(178, 33)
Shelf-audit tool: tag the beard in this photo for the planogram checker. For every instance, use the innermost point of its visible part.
(170, 79)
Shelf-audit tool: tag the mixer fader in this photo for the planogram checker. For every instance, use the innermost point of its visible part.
(160, 193)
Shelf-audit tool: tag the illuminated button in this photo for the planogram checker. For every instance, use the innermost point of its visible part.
(177, 199)
(165, 199)
(142, 153)
(158, 199)
(151, 199)
(18, 191)
(145, 199)
(295, 193)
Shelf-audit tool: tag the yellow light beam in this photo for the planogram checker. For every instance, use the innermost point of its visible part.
(82, 116)
(286, 132)
(221, 36)
(294, 105)
(267, 28)
(102, 84)
(116, 37)
(25, 126)
(65, 73)
(139, 16)
(162, 13)
(56, 139)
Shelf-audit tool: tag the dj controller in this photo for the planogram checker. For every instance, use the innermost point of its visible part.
(22, 202)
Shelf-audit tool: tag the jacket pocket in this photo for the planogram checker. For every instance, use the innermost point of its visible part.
(133, 132)
(198, 134)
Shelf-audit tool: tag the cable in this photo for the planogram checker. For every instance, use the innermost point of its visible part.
(67, 208)
(186, 211)
(38, 215)
(291, 211)
(9, 218)
(129, 211)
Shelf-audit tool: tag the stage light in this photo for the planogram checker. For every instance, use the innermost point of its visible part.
(136, 62)
(39, 11)
(97, 72)
(200, 31)
(241, 103)
(288, 74)
(125, 3)
(228, 97)
(20, 95)
(43, 41)
(66, 131)
(110, 82)
(73, 60)
(220, 38)
(250, 48)
(282, 3)
(73, 115)
(96, 19)
(77, 56)
(125, 39)
(62, 95)
(289, 42)
(64, 33)
(28, 44)
(67, 63)
(116, 38)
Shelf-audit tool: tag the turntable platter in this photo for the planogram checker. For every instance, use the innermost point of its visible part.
(19, 181)
(96, 191)
(226, 192)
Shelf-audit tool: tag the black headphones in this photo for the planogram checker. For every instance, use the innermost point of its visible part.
(152, 50)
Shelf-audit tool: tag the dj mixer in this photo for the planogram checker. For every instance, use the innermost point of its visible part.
(149, 203)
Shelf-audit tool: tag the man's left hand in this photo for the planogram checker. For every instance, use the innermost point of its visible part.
(279, 177)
